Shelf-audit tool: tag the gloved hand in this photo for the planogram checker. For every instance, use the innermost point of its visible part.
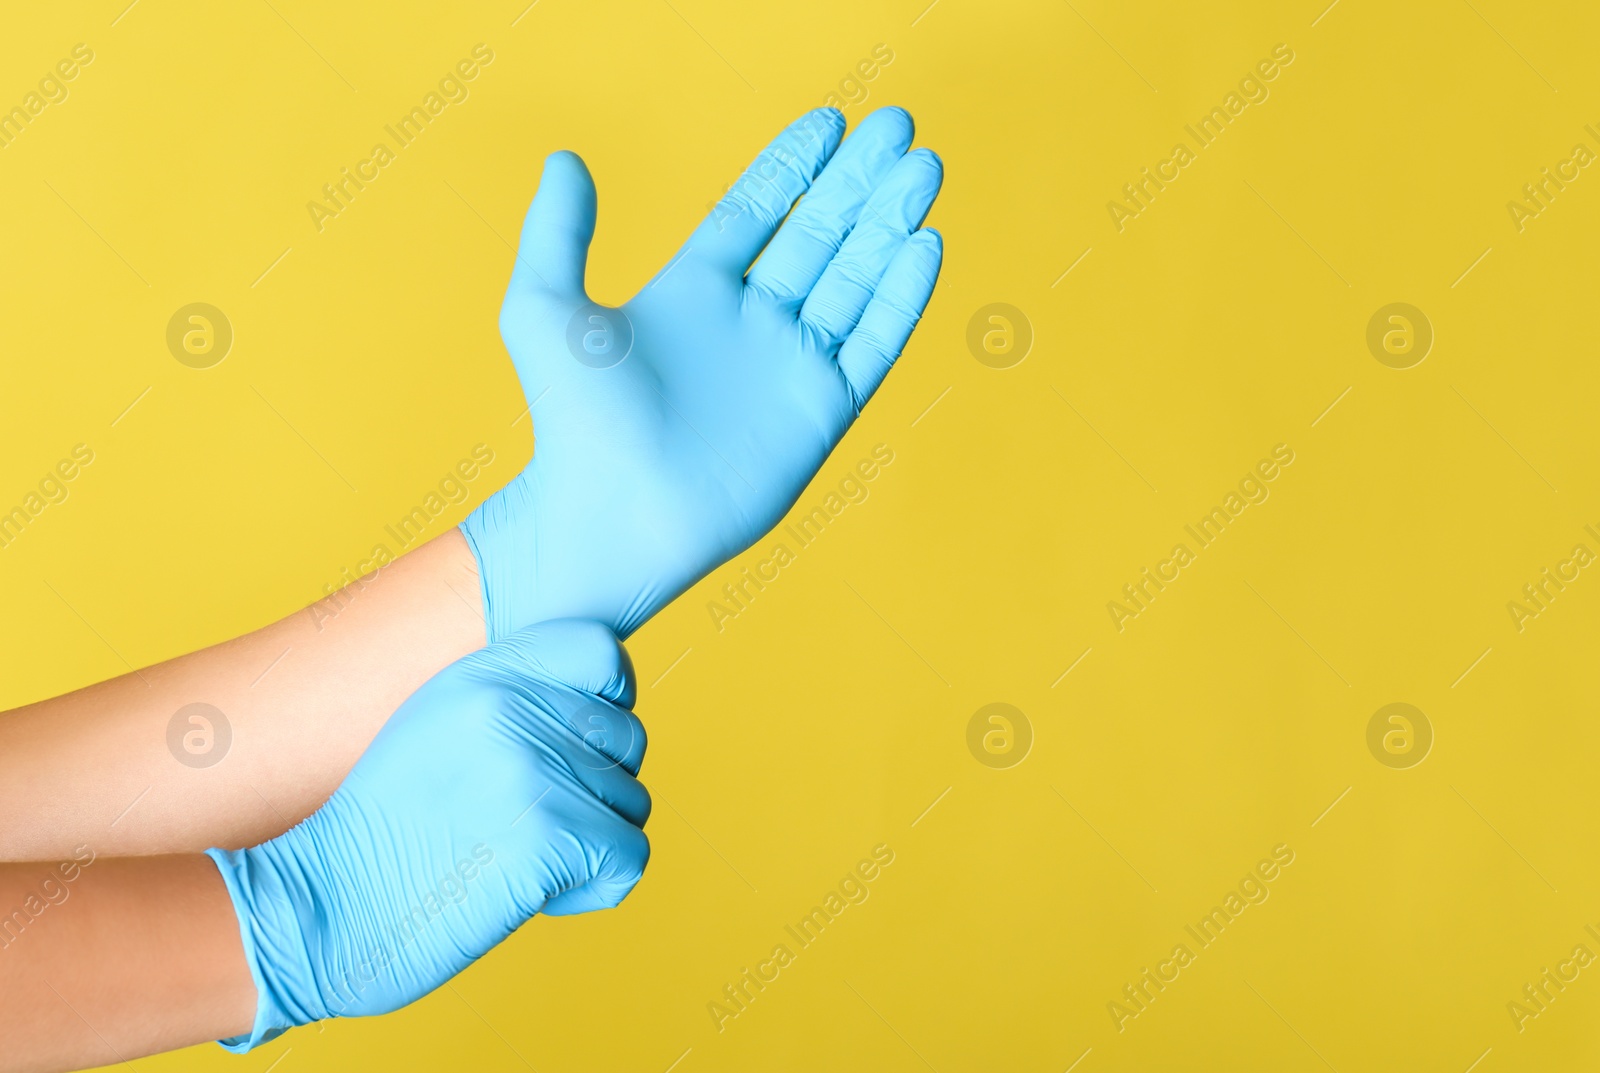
(676, 430)
(502, 788)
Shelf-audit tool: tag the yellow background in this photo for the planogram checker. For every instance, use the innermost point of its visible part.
(827, 717)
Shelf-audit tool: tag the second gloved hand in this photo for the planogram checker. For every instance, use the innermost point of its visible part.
(502, 788)
(676, 430)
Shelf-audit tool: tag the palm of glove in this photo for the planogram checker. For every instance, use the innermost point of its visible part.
(675, 431)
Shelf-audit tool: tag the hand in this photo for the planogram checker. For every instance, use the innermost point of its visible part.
(676, 430)
(502, 788)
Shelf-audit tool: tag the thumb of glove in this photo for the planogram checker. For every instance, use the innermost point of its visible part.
(580, 653)
(554, 248)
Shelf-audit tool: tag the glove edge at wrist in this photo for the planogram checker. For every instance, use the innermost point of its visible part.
(271, 1019)
(504, 571)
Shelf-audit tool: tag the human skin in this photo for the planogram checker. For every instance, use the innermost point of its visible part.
(76, 986)
(92, 768)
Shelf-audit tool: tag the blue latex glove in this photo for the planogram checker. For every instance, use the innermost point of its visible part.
(502, 788)
(675, 431)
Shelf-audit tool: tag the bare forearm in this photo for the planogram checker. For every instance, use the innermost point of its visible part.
(129, 767)
(103, 960)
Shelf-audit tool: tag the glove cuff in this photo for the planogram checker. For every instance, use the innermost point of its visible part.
(258, 896)
(505, 564)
